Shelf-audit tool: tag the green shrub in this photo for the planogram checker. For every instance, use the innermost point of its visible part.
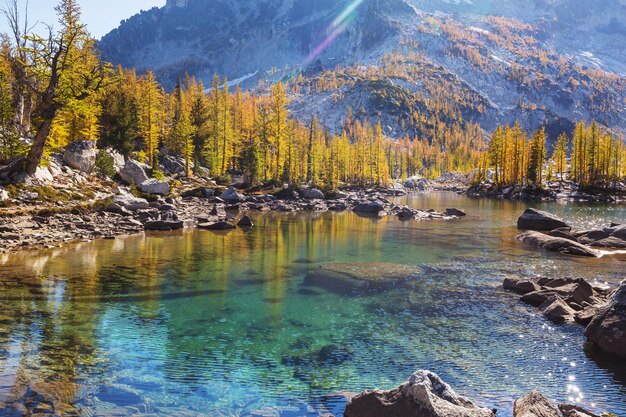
(104, 164)
(224, 179)
(158, 174)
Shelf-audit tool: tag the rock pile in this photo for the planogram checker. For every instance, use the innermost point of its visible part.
(600, 308)
(549, 232)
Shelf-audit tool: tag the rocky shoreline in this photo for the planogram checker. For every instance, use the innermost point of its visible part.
(552, 191)
(203, 208)
(549, 232)
(601, 309)
(424, 394)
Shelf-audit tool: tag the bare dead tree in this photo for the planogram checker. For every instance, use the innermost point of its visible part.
(55, 70)
(17, 58)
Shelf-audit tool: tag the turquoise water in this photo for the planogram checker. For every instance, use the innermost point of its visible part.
(200, 323)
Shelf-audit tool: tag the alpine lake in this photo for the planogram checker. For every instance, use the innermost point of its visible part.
(199, 323)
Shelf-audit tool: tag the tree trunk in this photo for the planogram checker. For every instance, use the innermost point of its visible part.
(36, 151)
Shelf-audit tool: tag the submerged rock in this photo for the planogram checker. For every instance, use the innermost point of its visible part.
(423, 395)
(556, 244)
(533, 219)
(534, 405)
(607, 329)
(356, 278)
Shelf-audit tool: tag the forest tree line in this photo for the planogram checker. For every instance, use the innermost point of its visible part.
(591, 157)
(56, 89)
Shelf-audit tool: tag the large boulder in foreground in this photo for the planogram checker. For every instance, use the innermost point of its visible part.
(607, 329)
(556, 244)
(423, 395)
(534, 405)
(533, 219)
(81, 155)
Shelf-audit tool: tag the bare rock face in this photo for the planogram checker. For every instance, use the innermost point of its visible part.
(81, 155)
(534, 405)
(607, 329)
(533, 219)
(423, 395)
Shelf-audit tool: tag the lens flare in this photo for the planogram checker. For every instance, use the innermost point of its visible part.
(339, 25)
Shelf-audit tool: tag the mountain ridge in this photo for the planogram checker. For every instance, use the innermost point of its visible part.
(513, 69)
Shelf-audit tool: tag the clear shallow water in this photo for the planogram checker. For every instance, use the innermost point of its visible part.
(198, 323)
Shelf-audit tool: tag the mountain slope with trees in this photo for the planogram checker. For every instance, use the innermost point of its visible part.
(503, 64)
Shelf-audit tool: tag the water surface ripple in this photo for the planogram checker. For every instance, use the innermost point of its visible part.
(198, 323)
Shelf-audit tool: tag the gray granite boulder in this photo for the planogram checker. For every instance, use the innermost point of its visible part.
(556, 244)
(607, 329)
(81, 155)
(533, 219)
(423, 395)
(133, 172)
(154, 186)
(534, 405)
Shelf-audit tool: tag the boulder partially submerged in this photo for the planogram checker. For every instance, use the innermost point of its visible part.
(560, 299)
(559, 236)
(423, 395)
(533, 219)
(534, 405)
(607, 329)
(556, 244)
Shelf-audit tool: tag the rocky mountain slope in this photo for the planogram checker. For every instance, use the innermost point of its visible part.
(410, 63)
